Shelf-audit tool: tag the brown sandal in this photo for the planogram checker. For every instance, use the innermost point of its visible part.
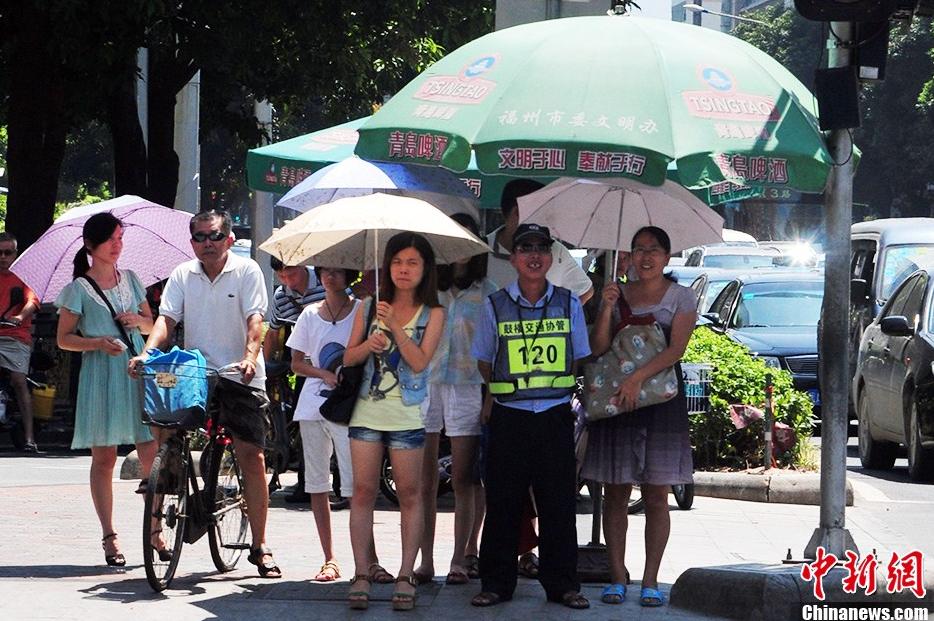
(401, 600)
(472, 564)
(267, 569)
(378, 574)
(329, 572)
(528, 565)
(575, 600)
(359, 600)
(487, 598)
(455, 576)
(422, 578)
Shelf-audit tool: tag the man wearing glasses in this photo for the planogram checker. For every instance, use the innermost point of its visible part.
(527, 345)
(15, 336)
(222, 298)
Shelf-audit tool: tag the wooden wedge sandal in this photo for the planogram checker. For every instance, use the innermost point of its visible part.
(401, 600)
(359, 599)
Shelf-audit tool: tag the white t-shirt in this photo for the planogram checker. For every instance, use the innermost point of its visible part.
(323, 344)
(216, 313)
(564, 272)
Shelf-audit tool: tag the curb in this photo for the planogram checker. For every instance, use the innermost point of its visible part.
(777, 486)
(800, 488)
(773, 592)
(130, 468)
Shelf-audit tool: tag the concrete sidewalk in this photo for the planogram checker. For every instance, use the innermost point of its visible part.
(51, 563)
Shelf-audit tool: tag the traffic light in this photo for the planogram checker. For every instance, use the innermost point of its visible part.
(851, 10)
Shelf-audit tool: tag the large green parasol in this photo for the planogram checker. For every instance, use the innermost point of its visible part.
(608, 96)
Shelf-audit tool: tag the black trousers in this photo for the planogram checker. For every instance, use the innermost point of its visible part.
(526, 449)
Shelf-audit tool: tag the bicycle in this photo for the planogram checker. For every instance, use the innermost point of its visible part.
(387, 485)
(283, 450)
(176, 508)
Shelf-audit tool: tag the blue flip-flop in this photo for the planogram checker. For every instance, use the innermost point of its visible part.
(651, 598)
(613, 594)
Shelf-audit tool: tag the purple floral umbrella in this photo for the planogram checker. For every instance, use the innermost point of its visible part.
(155, 240)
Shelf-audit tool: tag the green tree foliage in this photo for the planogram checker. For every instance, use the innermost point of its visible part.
(898, 128)
(897, 113)
(65, 64)
(739, 379)
(59, 60)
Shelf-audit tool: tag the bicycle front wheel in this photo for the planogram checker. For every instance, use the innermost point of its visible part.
(165, 513)
(229, 523)
(636, 501)
(684, 495)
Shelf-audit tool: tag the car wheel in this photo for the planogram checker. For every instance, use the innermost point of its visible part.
(920, 460)
(873, 454)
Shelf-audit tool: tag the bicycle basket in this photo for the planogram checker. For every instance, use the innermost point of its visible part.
(175, 389)
(697, 378)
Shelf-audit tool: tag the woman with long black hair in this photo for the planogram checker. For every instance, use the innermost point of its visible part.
(107, 413)
(407, 325)
(648, 446)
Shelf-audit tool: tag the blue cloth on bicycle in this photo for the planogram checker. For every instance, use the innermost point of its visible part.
(176, 387)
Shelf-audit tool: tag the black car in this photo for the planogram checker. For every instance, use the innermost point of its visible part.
(708, 285)
(775, 314)
(894, 387)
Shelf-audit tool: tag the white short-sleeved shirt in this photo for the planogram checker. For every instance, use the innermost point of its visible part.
(216, 313)
(564, 272)
(323, 343)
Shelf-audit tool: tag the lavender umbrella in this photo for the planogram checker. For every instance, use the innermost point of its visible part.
(155, 240)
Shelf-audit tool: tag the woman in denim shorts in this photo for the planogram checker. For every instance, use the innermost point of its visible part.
(402, 339)
(453, 404)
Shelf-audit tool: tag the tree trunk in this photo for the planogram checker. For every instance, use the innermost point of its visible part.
(167, 75)
(36, 125)
(129, 149)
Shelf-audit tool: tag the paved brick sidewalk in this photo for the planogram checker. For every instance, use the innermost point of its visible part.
(51, 563)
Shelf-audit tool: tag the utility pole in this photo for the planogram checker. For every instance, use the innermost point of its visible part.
(261, 204)
(831, 533)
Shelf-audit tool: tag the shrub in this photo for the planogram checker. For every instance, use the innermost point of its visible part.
(739, 378)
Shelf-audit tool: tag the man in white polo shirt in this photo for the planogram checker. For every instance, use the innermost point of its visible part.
(565, 270)
(222, 298)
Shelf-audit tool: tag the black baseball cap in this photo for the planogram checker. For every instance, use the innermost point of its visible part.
(528, 230)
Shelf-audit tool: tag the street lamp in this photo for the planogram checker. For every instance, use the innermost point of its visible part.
(699, 9)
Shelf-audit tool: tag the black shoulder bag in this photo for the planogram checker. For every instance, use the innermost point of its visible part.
(123, 334)
(339, 406)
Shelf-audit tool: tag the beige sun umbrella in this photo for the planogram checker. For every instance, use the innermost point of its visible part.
(352, 233)
(606, 213)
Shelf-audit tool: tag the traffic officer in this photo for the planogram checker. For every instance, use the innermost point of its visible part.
(527, 344)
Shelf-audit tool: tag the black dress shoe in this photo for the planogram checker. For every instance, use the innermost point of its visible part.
(340, 504)
(297, 497)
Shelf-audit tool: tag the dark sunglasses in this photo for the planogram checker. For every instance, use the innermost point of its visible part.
(214, 236)
(529, 248)
(7, 253)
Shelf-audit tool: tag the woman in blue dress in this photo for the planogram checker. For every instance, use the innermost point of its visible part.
(108, 405)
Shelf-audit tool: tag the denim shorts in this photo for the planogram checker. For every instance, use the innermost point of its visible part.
(408, 439)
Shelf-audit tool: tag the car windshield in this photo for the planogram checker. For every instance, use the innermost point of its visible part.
(737, 261)
(713, 290)
(779, 304)
(899, 262)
